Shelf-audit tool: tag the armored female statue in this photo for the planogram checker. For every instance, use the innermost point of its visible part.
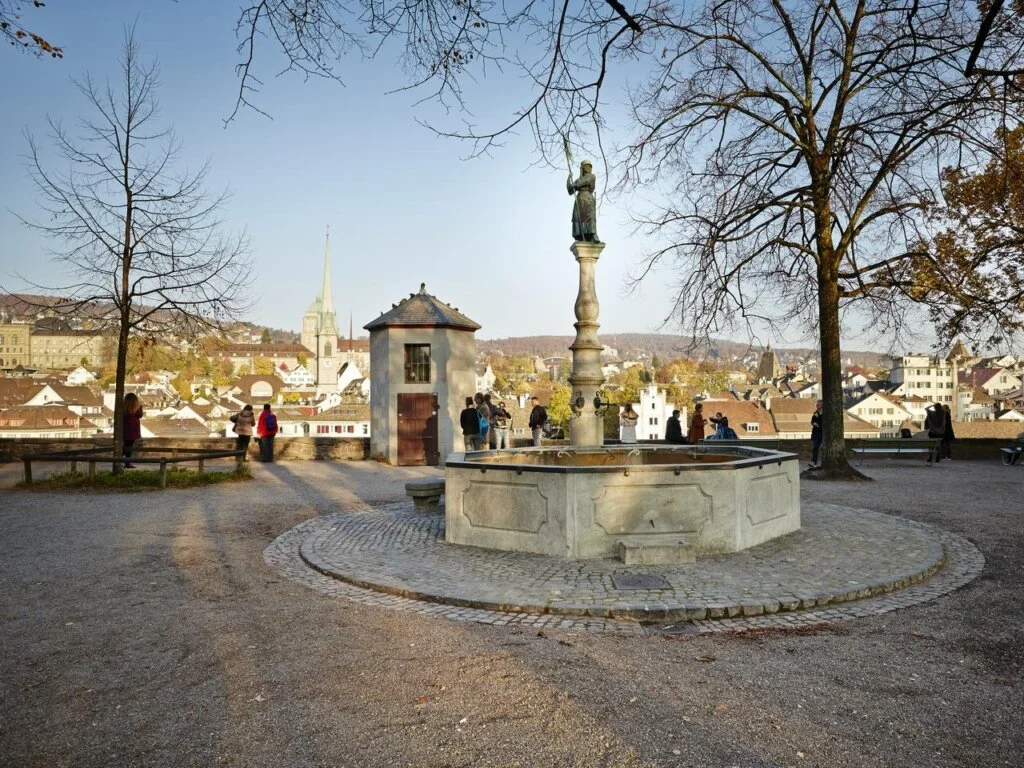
(584, 211)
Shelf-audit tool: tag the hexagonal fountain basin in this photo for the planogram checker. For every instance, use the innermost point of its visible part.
(584, 502)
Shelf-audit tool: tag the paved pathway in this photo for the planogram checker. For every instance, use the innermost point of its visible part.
(844, 563)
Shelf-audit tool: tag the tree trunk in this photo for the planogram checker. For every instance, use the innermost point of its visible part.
(833, 446)
(124, 327)
(119, 377)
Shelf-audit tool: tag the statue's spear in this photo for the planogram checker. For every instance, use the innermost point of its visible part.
(568, 152)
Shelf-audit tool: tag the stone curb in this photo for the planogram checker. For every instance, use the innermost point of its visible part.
(645, 613)
(957, 563)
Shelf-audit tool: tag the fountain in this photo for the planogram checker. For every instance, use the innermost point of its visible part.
(645, 504)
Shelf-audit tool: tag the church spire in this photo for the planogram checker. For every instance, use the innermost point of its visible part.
(327, 305)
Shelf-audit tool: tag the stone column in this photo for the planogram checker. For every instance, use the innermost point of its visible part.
(587, 427)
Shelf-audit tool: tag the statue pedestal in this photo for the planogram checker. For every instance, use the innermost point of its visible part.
(586, 427)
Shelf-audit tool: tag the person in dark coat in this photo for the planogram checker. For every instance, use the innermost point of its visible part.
(131, 425)
(470, 422)
(817, 431)
(947, 435)
(673, 429)
(935, 423)
(696, 433)
(537, 418)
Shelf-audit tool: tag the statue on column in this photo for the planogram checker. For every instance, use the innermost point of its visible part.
(584, 210)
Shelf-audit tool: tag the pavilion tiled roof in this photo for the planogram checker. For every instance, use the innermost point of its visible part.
(423, 309)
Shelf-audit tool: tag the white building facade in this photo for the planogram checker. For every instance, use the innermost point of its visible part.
(654, 411)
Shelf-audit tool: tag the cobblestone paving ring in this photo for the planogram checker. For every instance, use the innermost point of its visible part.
(844, 563)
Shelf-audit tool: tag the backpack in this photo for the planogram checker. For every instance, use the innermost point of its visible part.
(484, 425)
(729, 434)
(270, 423)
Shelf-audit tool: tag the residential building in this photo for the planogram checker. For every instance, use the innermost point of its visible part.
(749, 419)
(792, 419)
(57, 346)
(654, 411)
(340, 421)
(485, 379)
(926, 376)
(298, 378)
(56, 421)
(15, 345)
(242, 356)
(994, 381)
(257, 388)
(975, 404)
(883, 410)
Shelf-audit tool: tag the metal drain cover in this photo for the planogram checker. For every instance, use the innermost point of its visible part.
(639, 581)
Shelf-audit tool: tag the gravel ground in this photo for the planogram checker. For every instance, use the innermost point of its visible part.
(146, 630)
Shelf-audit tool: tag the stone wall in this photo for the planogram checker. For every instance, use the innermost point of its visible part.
(358, 448)
(285, 448)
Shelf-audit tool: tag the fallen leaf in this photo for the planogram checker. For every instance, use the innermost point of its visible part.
(706, 658)
(721, 707)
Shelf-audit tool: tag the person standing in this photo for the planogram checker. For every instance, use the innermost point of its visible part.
(627, 424)
(502, 421)
(131, 425)
(470, 422)
(947, 435)
(935, 423)
(244, 422)
(483, 412)
(696, 433)
(721, 427)
(537, 418)
(266, 428)
(492, 437)
(674, 429)
(817, 431)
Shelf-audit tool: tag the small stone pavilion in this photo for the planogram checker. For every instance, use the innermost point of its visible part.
(422, 358)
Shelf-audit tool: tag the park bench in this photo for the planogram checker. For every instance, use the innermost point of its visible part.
(104, 455)
(425, 492)
(927, 447)
(766, 443)
(1011, 454)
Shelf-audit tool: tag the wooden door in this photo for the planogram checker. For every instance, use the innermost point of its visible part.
(417, 430)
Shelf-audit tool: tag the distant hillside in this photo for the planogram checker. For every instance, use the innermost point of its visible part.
(643, 346)
(29, 308)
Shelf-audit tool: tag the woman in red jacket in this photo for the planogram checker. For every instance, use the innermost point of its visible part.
(266, 428)
(131, 425)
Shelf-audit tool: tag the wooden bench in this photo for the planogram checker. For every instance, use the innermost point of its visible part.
(104, 455)
(927, 447)
(1011, 454)
(755, 442)
(425, 492)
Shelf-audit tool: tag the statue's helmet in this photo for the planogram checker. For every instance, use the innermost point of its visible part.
(586, 164)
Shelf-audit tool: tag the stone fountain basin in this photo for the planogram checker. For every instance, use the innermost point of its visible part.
(583, 502)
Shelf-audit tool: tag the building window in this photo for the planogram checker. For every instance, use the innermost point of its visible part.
(417, 363)
(751, 427)
(338, 429)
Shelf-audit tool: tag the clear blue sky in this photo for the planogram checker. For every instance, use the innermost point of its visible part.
(489, 235)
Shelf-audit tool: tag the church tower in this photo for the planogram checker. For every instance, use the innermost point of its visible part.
(320, 326)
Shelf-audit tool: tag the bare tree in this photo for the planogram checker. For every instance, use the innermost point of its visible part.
(802, 145)
(135, 233)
